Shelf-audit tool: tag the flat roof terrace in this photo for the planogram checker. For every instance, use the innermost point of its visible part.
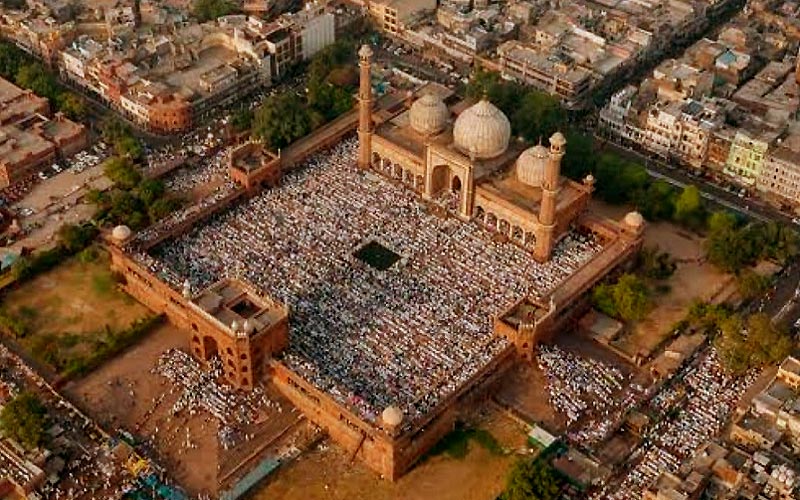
(408, 335)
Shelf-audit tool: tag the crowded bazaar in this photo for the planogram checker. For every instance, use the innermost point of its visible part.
(407, 336)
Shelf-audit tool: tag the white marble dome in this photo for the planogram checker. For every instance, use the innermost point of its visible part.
(365, 52)
(634, 220)
(531, 165)
(392, 415)
(428, 115)
(558, 140)
(482, 131)
(121, 233)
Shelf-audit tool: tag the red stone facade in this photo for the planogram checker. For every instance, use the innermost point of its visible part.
(244, 355)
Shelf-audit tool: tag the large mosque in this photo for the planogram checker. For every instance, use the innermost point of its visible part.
(467, 153)
(386, 377)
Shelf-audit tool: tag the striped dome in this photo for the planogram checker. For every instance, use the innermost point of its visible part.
(482, 131)
(428, 115)
(531, 165)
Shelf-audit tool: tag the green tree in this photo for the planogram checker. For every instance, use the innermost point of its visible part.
(127, 209)
(723, 246)
(531, 480)
(689, 209)
(752, 284)
(281, 120)
(119, 135)
(23, 419)
(122, 173)
(74, 238)
(505, 95)
(657, 202)
(579, 160)
(771, 342)
(778, 242)
(71, 105)
(97, 197)
(242, 120)
(538, 116)
(163, 207)
(33, 76)
(619, 181)
(22, 268)
(752, 343)
(208, 10)
(603, 300)
(708, 317)
(150, 190)
(10, 60)
(113, 129)
(627, 299)
(129, 146)
(655, 264)
(330, 101)
(631, 297)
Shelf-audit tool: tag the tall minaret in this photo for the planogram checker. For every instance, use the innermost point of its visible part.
(547, 209)
(365, 108)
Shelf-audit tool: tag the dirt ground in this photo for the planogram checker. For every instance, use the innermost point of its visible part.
(125, 394)
(325, 473)
(122, 392)
(694, 279)
(524, 390)
(74, 298)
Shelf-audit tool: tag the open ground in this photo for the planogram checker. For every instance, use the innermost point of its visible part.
(694, 279)
(125, 394)
(327, 472)
(69, 309)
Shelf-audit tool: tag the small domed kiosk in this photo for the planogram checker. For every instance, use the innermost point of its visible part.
(120, 234)
(392, 418)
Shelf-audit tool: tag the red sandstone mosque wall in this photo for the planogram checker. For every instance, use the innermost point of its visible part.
(243, 360)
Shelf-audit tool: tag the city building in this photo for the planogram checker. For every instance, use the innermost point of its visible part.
(773, 418)
(165, 80)
(559, 77)
(392, 16)
(780, 176)
(720, 109)
(29, 138)
(748, 153)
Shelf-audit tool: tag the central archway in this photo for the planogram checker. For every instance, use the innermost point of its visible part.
(210, 348)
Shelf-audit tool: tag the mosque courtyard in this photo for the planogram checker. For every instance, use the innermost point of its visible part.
(406, 333)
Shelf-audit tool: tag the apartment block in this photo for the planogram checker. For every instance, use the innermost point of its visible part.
(29, 138)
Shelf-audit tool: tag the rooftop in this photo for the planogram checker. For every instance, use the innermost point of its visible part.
(235, 304)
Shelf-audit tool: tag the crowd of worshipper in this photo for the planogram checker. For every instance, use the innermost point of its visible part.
(206, 170)
(79, 457)
(165, 225)
(407, 336)
(592, 395)
(710, 396)
(198, 390)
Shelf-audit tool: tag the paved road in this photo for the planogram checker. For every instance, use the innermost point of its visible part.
(679, 176)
